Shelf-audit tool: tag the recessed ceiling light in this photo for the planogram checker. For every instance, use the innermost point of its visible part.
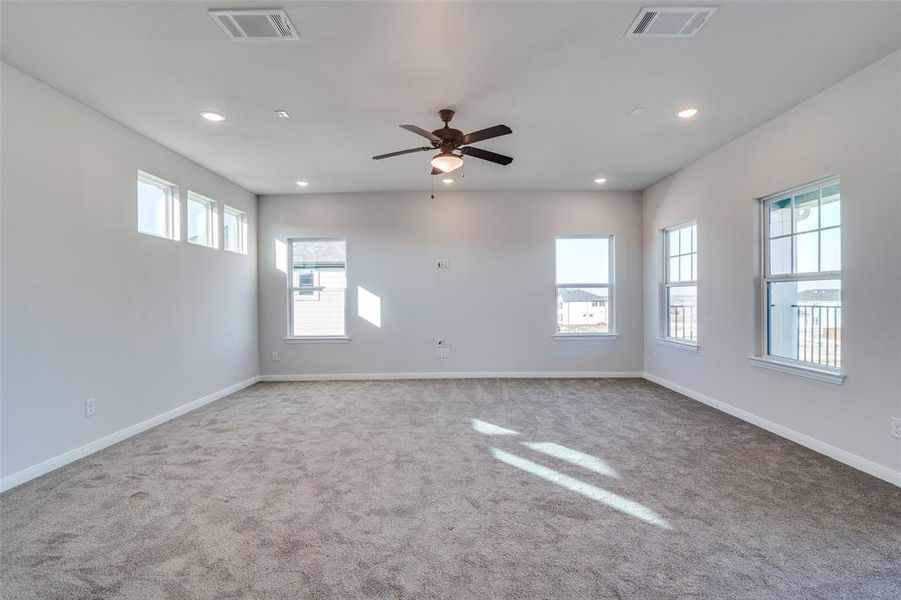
(303, 183)
(636, 111)
(447, 180)
(282, 114)
(212, 116)
(601, 180)
(687, 113)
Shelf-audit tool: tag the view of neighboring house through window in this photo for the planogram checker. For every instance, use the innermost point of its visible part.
(234, 230)
(157, 207)
(802, 278)
(681, 282)
(203, 220)
(584, 285)
(317, 287)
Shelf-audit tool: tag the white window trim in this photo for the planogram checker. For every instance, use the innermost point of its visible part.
(664, 337)
(798, 368)
(212, 220)
(173, 206)
(242, 223)
(315, 339)
(678, 343)
(762, 358)
(611, 333)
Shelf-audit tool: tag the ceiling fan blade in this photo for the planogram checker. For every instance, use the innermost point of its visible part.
(420, 131)
(399, 152)
(486, 155)
(437, 171)
(486, 134)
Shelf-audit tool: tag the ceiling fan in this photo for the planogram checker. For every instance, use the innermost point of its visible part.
(452, 144)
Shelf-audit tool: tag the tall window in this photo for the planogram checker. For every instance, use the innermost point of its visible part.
(802, 284)
(681, 282)
(203, 221)
(234, 230)
(157, 207)
(584, 283)
(318, 284)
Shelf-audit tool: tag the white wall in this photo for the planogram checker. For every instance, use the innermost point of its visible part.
(496, 304)
(91, 308)
(853, 129)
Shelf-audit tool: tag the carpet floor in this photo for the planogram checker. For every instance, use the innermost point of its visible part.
(453, 489)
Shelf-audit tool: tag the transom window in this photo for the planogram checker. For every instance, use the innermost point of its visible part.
(802, 274)
(584, 285)
(158, 207)
(234, 230)
(203, 221)
(681, 282)
(317, 288)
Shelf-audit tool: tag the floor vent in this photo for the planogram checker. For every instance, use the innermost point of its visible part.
(670, 21)
(242, 25)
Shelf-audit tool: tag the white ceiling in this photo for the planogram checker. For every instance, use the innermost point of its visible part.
(562, 75)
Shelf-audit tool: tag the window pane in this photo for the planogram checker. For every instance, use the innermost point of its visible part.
(685, 268)
(320, 314)
(807, 213)
(583, 260)
(674, 269)
(583, 310)
(831, 249)
(685, 240)
(682, 312)
(672, 243)
(234, 230)
(780, 256)
(199, 230)
(804, 320)
(694, 267)
(780, 217)
(830, 206)
(153, 215)
(807, 252)
(319, 253)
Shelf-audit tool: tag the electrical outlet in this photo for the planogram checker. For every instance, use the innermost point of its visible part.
(89, 408)
(443, 264)
(896, 427)
(443, 353)
(275, 357)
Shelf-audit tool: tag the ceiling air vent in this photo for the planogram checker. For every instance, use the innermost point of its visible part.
(255, 24)
(670, 21)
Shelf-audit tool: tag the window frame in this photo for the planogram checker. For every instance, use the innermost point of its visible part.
(242, 227)
(611, 332)
(212, 218)
(666, 284)
(173, 206)
(763, 358)
(289, 335)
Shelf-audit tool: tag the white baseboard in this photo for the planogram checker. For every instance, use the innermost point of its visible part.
(455, 375)
(29, 473)
(843, 456)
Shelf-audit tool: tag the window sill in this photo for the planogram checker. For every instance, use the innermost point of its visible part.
(585, 336)
(673, 343)
(825, 375)
(324, 339)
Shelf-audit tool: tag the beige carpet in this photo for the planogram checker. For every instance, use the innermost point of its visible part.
(453, 489)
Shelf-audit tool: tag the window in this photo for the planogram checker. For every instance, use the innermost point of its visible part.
(584, 285)
(802, 285)
(203, 221)
(157, 207)
(234, 230)
(680, 283)
(317, 288)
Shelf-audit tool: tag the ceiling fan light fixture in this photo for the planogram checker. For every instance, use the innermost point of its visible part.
(447, 162)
